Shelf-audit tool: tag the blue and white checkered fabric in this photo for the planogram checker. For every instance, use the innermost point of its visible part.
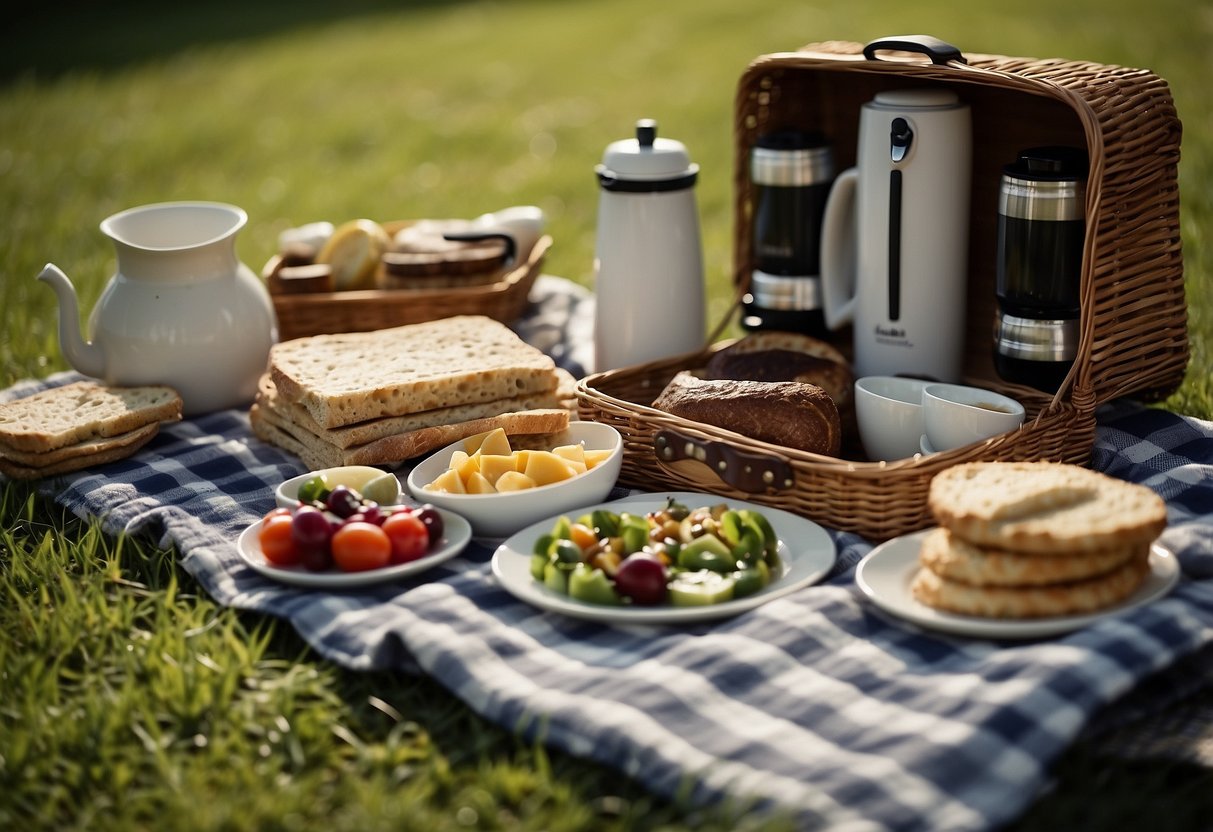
(811, 704)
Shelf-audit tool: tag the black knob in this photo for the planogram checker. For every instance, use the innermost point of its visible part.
(900, 138)
(646, 132)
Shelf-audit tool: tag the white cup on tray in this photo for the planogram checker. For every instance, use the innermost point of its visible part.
(955, 415)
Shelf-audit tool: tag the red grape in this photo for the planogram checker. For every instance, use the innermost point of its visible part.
(641, 578)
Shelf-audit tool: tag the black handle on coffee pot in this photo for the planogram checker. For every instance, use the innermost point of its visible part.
(939, 51)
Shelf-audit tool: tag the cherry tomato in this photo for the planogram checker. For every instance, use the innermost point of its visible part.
(277, 543)
(359, 546)
(408, 534)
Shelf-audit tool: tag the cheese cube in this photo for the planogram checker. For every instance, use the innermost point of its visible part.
(469, 466)
(514, 481)
(573, 453)
(593, 458)
(544, 467)
(477, 484)
(496, 442)
(494, 465)
(448, 481)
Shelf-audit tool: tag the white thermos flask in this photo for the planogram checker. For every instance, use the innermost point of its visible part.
(894, 250)
(648, 258)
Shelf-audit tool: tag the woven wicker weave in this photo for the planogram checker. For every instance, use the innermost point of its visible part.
(505, 300)
(1133, 324)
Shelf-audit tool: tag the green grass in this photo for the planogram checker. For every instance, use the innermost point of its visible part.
(128, 698)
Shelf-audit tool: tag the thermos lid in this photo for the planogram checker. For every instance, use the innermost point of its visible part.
(1045, 183)
(919, 98)
(646, 163)
(790, 158)
(1049, 164)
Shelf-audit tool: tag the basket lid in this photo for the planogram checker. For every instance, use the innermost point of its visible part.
(646, 163)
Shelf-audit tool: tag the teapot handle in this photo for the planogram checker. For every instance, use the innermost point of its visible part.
(939, 51)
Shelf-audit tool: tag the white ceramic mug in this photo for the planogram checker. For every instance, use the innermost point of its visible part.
(955, 415)
(889, 412)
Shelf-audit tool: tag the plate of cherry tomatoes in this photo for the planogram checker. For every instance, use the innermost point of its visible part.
(313, 546)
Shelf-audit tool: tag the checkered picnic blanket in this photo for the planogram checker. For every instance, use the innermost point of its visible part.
(811, 704)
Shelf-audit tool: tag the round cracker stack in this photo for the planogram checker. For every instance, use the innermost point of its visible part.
(1034, 539)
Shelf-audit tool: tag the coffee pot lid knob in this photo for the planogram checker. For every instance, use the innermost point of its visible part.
(647, 159)
(646, 132)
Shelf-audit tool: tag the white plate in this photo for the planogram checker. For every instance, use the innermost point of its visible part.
(455, 536)
(884, 576)
(805, 550)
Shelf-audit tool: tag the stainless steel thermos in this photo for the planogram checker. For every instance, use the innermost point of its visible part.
(790, 175)
(1041, 227)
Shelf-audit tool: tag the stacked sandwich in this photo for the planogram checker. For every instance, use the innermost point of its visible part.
(79, 426)
(382, 397)
(1034, 539)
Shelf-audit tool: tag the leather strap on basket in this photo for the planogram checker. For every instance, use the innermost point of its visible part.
(939, 51)
(753, 473)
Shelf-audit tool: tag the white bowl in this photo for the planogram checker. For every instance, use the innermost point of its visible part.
(500, 515)
(287, 494)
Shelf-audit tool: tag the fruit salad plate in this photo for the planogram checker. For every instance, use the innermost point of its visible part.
(806, 555)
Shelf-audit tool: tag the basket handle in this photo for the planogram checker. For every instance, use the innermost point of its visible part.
(753, 473)
(939, 51)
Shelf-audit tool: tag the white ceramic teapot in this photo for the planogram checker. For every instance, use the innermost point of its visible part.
(180, 310)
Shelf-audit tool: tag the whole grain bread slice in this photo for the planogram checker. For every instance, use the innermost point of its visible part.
(90, 447)
(346, 378)
(954, 559)
(563, 396)
(1070, 598)
(76, 457)
(391, 450)
(82, 411)
(1044, 507)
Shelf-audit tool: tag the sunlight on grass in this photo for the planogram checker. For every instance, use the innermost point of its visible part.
(133, 701)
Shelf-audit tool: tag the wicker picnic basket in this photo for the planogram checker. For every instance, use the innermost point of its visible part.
(1133, 319)
(505, 300)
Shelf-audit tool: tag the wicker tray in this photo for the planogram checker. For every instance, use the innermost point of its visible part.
(505, 300)
(1133, 324)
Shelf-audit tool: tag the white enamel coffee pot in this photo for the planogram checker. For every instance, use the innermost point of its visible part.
(180, 310)
(894, 250)
(648, 259)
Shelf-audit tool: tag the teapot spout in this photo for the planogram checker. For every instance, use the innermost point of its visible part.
(85, 356)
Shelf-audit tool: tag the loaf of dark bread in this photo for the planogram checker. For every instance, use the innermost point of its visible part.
(787, 413)
(786, 356)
